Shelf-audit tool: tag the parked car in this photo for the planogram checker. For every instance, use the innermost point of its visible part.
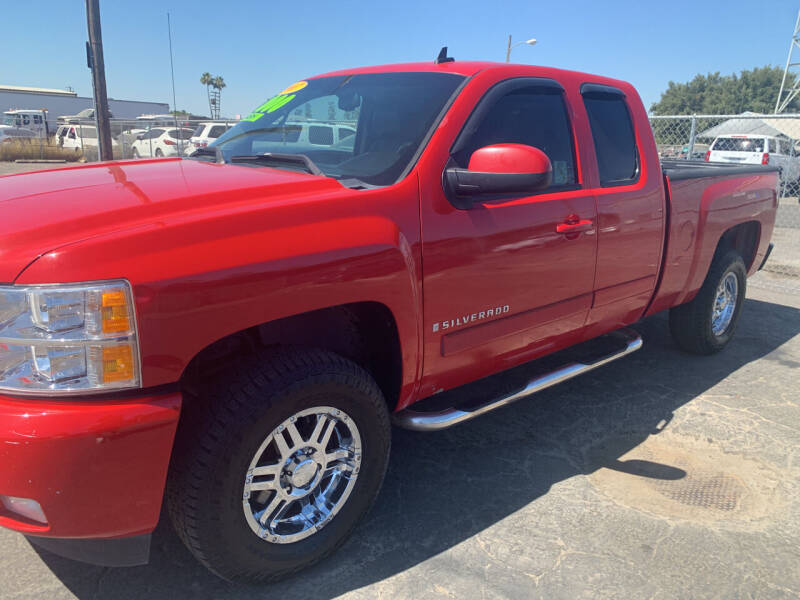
(160, 142)
(204, 134)
(9, 134)
(232, 334)
(757, 150)
(299, 136)
(127, 137)
(78, 137)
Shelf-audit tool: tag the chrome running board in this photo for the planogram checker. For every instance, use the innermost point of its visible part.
(442, 419)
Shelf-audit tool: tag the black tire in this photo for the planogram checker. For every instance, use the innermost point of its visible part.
(159, 153)
(691, 323)
(135, 153)
(219, 435)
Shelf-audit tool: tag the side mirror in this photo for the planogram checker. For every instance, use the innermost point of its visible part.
(498, 171)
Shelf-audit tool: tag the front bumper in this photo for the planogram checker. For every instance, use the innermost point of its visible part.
(97, 468)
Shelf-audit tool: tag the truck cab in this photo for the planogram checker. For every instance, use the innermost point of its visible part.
(34, 120)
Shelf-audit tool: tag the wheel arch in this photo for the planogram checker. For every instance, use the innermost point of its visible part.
(364, 332)
(744, 238)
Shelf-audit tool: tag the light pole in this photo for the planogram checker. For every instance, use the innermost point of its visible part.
(530, 42)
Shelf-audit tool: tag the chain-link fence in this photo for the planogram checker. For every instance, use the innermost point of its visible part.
(748, 139)
(142, 138)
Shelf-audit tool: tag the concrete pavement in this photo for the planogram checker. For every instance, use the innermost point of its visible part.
(662, 475)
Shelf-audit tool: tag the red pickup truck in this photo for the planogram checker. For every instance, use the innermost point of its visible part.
(234, 333)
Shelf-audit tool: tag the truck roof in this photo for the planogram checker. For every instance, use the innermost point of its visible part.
(469, 68)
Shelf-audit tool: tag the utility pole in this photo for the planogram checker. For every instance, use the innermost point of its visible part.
(508, 52)
(99, 80)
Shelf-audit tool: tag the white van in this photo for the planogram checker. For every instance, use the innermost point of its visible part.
(757, 150)
(78, 137)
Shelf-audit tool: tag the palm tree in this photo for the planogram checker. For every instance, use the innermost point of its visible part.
(207, 80)
(218, 84)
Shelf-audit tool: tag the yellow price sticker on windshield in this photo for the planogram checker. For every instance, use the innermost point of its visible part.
(295, 87)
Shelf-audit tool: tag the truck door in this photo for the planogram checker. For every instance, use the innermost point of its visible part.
(630, 206)
(505, 280)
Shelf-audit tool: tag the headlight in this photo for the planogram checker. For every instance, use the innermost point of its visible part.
(68, 339)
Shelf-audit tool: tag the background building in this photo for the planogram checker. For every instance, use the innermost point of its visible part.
(64, 102)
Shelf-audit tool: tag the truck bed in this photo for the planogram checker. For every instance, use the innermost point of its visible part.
(703, 200)
(677, 170)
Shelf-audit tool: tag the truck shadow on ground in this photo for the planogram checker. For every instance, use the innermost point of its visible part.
(442, 488)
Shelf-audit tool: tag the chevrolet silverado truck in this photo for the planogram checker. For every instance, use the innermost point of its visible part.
(233, 334)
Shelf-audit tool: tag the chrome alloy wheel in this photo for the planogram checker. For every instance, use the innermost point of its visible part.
(302, 475)
(724, 304)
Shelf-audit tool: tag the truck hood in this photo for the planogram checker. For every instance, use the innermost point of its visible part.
(43, 211)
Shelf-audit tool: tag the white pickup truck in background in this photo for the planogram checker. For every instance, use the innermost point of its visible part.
(757, 150)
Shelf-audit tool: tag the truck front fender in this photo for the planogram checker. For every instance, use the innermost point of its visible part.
(192, 289)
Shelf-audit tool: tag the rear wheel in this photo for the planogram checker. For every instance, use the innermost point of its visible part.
(159, 153)
(135, 153)
(706, 324)
(275, 471)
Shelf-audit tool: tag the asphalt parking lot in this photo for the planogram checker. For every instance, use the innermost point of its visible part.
(659, 476)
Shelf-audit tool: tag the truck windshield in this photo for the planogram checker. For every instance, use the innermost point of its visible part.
(737, 144)
(366, 127)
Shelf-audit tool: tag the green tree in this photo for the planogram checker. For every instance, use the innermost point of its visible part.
(755, 90)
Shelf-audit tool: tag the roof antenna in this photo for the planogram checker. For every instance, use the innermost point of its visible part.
(443, 58)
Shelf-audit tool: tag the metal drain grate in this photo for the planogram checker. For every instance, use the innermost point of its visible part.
(720, 492)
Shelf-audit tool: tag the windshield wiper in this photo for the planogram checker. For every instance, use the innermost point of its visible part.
(213, 151)
(300, 160)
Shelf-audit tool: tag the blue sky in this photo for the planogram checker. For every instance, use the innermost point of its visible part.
(261, 47)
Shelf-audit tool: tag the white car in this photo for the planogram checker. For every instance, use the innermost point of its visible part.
(161, 142)
(308, 135)
(78, 137)
(204, 135)
(757, 150)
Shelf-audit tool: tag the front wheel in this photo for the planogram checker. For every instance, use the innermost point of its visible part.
(706, 324)
(273, 474)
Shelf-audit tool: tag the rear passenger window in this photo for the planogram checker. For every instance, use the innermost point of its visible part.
(216, 131)
(534, 116)
(612, 131)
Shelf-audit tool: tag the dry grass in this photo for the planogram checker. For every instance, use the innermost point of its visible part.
(36, 149)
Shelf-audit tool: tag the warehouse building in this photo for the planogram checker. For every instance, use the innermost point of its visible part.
(64, 102)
